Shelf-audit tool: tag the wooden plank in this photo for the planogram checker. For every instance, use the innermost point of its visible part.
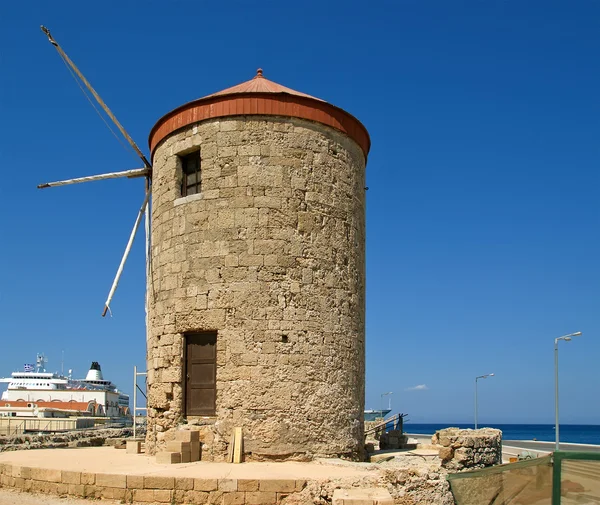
(238, 447)
(230, 448)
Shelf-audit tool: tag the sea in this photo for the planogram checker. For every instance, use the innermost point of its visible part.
(573, 433)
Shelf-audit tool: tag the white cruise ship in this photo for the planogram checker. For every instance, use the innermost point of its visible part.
(37, 388)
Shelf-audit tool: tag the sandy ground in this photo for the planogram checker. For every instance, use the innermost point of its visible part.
(10, 497)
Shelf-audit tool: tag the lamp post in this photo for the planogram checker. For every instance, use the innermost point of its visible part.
(390, 401)
(566, 338)
(476, 379)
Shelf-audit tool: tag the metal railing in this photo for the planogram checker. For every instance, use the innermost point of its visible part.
(397, 422)
(135, 389)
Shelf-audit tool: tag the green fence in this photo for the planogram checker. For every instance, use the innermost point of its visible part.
(562, 478)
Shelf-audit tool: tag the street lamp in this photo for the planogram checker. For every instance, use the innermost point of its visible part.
(390, 401)
(476, 378)
(566, 338)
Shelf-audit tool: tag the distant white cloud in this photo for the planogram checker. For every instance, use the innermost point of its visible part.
(420, 387)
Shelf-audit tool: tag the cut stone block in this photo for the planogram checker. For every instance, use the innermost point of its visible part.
(186, 457)
(187, 436)
(134, 447)
(178, 446)
(195, 451)
(168, 458)
(364, 496)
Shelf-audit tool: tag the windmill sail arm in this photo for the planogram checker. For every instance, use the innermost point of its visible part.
(97, 97)
(137, 172)
(126, 254)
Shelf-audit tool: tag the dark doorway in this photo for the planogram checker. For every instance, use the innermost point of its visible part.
(201, 373)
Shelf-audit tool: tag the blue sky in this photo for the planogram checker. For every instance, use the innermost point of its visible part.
(483, 208)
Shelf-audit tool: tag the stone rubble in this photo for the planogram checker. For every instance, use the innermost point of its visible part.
(80, 438)
(410, 478)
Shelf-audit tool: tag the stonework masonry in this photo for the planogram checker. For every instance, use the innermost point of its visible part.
(468, 449)
(270, 255)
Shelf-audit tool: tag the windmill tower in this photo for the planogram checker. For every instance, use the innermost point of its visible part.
(256, 278)
(258, 268)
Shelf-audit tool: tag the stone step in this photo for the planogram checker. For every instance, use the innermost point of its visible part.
(362, 496)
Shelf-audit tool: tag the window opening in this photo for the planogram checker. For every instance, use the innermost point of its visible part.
(190, 165)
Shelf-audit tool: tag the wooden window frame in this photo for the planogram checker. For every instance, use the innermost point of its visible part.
(188, 170)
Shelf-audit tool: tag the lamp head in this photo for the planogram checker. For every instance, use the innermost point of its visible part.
(567, 339)
(491, 374)
(576, 334)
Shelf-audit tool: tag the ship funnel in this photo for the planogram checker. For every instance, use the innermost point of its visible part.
(95, 373)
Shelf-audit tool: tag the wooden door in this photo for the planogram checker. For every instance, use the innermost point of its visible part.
(201, 374)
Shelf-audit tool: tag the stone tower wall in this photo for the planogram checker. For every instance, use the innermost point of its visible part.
(271, 255)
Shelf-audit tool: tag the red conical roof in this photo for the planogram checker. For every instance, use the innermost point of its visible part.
(260, 84)
(260, 96)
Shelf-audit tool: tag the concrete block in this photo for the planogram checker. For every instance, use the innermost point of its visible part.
(134, 447)
(187, 436)
(113, 493)
(88, 478)
(89, 491)
(71, 477)
(215, 498)
(234, 498)
(156, 482)
(261, 497)
(205, 484)
(50, 487)
(168, 458)
(184, 483)
(196, 497)
(277, 485)
(228, 485)
(177, 446)
(195, 451)
(162, 495)
(76, 489)
(143, 495)
(362, 496)
(135, 482)
(247, 485)
(37, 486)
(111, 480)
(46, 475)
